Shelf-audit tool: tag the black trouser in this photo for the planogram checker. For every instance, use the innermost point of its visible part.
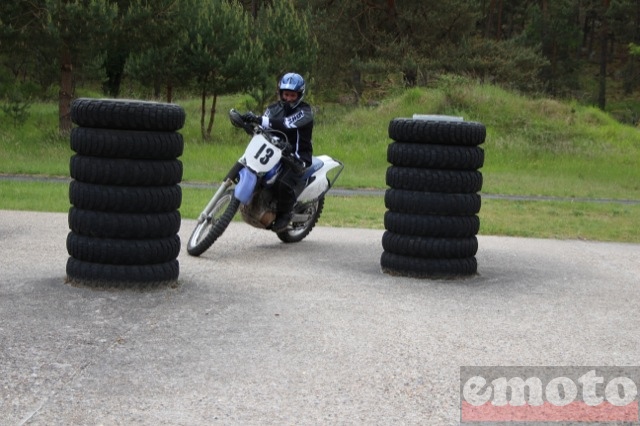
(288, 187)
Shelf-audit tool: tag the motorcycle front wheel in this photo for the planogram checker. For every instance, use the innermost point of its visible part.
(297, 231)
(214, 223)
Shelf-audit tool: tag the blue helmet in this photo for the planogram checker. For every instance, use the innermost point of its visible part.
(294, 82)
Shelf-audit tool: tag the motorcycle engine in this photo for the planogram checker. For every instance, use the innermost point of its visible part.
(260, 212)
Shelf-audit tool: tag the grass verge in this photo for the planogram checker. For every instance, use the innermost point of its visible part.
(534, 147)
(540, 219)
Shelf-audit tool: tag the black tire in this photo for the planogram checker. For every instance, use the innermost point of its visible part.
(126, 276)
(298, 231)
(467, 133)
(118, 171)
(207, 232)
(122, 114)
(442, 248)
(431, 203)
(127, 144)
(435, 156)
(125, 199)
(124, 225)
(123, 252)
(396, 264)
(429, 180)
(432, 226)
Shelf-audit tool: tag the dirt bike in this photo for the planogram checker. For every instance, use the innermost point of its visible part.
(249, 188)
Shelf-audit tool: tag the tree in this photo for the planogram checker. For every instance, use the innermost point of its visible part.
(604, 46)
(160, 68)
(351, 35)
(363, 42)
(77, 27)
(142, 25)
(448, 29)
(159, 59)
(625, 28)
(220, 54)
(253, 6)
(25, 50)
(288, 47)
(68, 30)
(554, 28)
(117, 51)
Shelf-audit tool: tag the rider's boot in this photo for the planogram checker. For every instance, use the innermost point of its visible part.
(282, 222)
(284, 211)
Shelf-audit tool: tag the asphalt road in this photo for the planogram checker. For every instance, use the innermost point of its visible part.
(261, 332)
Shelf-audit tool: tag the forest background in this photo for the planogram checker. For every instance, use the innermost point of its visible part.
(555, 83)
(352, 52)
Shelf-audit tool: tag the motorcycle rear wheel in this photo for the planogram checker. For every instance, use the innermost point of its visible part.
(215, 223)
(297, 231)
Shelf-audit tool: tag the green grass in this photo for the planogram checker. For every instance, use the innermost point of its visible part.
(34, 196)
(537, 147)
(561, 220)
(541, 219)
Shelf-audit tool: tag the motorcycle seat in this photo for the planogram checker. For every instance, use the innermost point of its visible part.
(316, 164)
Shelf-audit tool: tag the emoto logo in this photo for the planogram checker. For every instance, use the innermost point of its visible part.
(549, 394)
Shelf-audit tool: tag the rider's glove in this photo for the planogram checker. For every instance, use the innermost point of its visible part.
(251, 118)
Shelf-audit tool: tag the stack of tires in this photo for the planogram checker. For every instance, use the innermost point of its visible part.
(432, 200)
(125, 193)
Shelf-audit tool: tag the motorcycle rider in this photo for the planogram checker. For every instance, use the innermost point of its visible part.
(294, 117)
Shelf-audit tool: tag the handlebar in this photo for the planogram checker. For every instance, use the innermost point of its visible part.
(278, 138)
(237, 121)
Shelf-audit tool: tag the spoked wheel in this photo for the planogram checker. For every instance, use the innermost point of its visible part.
(299, 230)
(213, 222)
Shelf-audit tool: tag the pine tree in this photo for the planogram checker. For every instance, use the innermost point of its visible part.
(65, 32)
(220, 54)
(288, 46)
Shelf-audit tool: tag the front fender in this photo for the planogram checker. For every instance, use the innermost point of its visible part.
(247, 183)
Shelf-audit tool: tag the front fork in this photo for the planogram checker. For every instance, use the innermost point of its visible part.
(229, 180)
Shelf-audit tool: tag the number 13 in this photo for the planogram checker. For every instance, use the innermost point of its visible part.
(267, 154)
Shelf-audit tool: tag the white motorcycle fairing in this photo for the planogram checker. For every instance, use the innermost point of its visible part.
(322, 178)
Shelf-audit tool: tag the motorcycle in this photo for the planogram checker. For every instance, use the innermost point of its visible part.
(249, 188)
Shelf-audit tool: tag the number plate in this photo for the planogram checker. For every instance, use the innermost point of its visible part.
(261, 155)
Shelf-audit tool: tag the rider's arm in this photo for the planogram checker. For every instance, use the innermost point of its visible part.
(301, 118)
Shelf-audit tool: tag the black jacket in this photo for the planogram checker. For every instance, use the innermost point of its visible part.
(296, 123)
